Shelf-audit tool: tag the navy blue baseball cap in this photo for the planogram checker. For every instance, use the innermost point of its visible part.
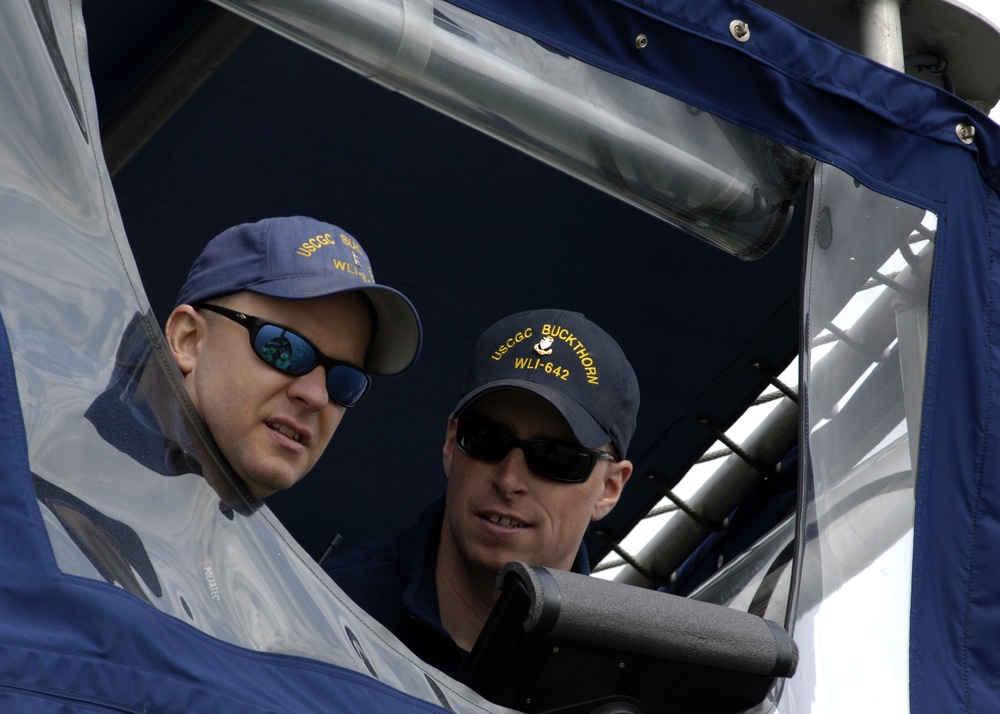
(297, 258)
(568, 361)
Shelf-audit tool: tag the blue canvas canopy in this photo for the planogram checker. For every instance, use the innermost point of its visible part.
(101, 611)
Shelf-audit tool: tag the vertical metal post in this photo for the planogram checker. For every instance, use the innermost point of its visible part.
(882, 32)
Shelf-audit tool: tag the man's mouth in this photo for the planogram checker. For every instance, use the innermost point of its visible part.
(287, 431)
(504, 521)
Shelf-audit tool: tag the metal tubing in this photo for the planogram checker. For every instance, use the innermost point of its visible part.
(882, 33)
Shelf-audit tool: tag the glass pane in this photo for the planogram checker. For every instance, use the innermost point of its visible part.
(866, 291)
(127, 483)
(866, 300)
(715, 180)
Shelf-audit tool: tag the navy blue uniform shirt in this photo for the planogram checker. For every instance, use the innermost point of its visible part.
(392, 579)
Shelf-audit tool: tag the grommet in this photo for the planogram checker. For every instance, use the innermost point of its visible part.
(641, 41)
(966, 133)
(739, 30)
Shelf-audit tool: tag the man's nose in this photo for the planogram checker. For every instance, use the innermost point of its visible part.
(310, 388)
(512, 474)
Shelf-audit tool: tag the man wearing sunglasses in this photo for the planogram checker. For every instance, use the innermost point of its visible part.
(534, 452)
(276, 331)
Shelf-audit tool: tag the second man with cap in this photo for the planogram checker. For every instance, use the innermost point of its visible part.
(535, 450)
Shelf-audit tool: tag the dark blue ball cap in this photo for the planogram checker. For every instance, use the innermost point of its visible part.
(297, 258)
(567, 360)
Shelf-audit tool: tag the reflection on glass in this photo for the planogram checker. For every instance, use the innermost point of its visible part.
(867, 290)
(717, 181)
(135, 504)
(132, 494)
(759, 580)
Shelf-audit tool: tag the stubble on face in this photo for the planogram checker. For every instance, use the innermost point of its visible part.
(502, 511)
(270, 426)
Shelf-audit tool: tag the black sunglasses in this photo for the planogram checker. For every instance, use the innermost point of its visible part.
(484, 440)
(289, 352)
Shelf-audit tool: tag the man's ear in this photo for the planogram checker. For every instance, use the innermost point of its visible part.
(615, 479)
(449, 445)
(185, 333)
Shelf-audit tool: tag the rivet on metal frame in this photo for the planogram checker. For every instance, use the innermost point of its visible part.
(641, 41)
(966, 133)
(739, 30)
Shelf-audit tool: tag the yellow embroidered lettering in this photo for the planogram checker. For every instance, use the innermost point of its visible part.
(579, 349)
(510, 343)
(350, 242)
(348, 268)
(313, 244)
(557, 371)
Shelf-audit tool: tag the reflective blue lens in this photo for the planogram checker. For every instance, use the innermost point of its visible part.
(348, 383)
(293, 354)
(284, 350)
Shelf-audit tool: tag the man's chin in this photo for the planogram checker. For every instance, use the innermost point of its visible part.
(490, 565)
(266, 484)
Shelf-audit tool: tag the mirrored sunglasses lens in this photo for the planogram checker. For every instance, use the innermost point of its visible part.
(284, 350)
(346, 384)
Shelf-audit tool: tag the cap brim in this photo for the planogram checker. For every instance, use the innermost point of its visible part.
(585, 428)
(396, 343)
(397, 340)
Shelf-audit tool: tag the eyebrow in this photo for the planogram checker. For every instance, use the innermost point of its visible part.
(571, 441)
